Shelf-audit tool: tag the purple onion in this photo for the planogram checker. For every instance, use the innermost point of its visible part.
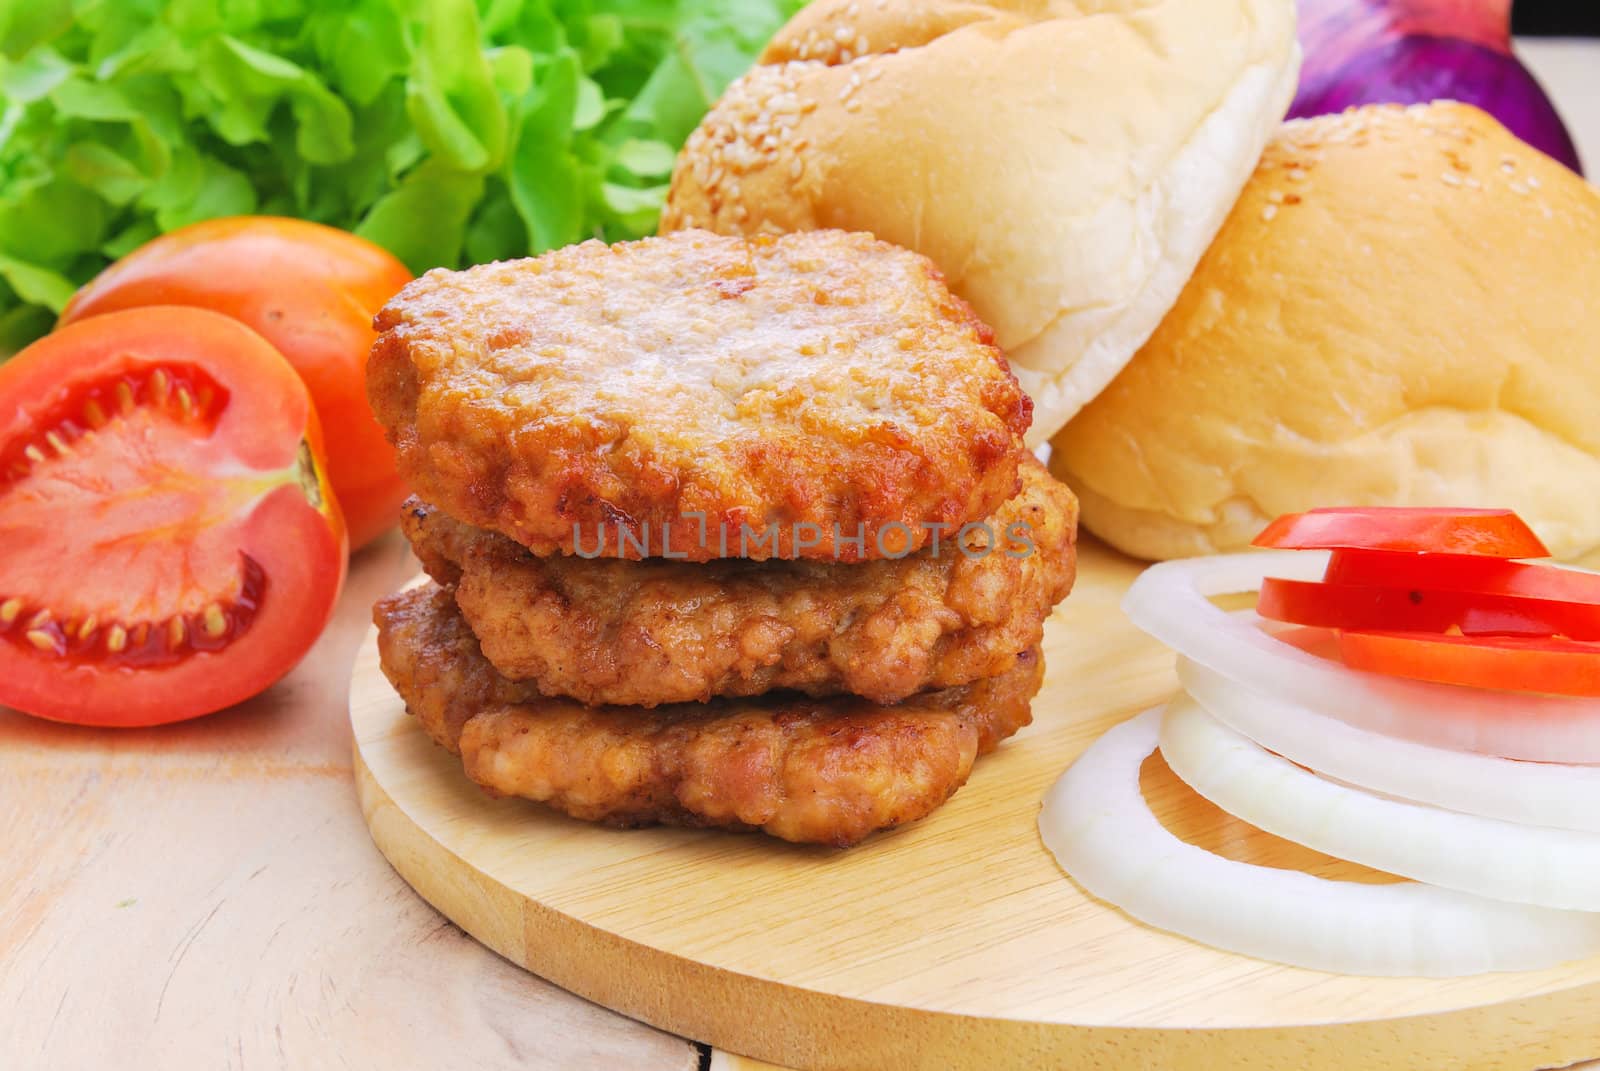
(1414, 51)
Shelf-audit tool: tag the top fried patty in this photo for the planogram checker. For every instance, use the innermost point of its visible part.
(643, 633)
(797, 389)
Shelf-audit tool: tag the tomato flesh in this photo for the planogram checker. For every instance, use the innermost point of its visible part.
(1493, 533)
(1554, 666)
(168, 545)
(1421, 609)
(1490, 576)
(312, 292)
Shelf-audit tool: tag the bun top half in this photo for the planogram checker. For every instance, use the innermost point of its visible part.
(1064, 164)
(1402, 309)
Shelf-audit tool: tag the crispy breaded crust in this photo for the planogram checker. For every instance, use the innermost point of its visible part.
(643, 633)
(822, 379)
(821, 771)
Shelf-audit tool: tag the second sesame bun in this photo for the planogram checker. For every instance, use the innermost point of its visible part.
(1064, 164)
(1401, 310)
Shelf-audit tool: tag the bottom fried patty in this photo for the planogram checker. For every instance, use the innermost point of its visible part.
(826, 771)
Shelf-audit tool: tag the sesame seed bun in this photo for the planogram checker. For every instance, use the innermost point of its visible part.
(1401, 310)
(1065, 165)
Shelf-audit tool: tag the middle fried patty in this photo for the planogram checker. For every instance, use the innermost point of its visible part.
(639, 633)
(826, 771)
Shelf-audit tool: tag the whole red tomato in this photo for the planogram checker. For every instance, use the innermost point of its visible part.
(311, 291)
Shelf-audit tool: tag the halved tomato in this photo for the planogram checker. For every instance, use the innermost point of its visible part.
(1556, 666)
(311, 291)
(1494, 533)
(1424, 609)
(169, 544)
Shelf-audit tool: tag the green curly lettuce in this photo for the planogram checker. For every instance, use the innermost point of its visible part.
(448, 131)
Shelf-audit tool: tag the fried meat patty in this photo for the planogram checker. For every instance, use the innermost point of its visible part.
(785, 390)
(826, 771)
(649, 632)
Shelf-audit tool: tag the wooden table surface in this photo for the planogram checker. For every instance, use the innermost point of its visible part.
(206, 895)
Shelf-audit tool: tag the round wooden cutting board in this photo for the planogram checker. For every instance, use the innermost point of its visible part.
(952, 943)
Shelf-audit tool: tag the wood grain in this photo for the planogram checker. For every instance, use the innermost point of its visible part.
(952, 943)
(206, 895)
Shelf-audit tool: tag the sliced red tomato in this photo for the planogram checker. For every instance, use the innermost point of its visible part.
(169, 544)
(1494, 533)
(1421, 609)
(1556, 666)
(1490, 576)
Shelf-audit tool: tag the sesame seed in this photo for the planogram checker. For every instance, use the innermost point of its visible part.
(1268, 212)
(843, 35)
(1275, 196)
(1519, 188)
(1533, 182)
(1449, 179)
(1472, 183)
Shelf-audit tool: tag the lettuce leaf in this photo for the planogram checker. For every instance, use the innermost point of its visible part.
(448, 131)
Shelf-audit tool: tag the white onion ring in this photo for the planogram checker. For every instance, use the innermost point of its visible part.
(1170, 601)
(1097, 824)
(1538, 794)
(1557, 868)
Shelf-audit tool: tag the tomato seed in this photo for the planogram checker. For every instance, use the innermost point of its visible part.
(43, 640)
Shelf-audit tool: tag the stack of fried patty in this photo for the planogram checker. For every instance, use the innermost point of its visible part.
(721, 531)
